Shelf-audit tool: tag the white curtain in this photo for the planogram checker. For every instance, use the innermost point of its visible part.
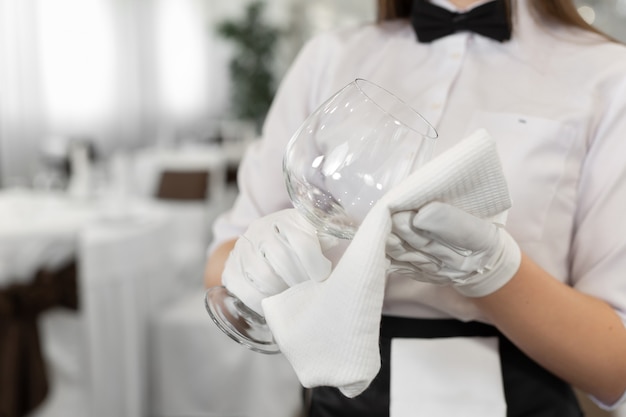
(20, 88)
(126, 73)
(119, 73)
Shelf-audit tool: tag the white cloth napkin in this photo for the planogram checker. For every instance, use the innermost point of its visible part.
(329, 330)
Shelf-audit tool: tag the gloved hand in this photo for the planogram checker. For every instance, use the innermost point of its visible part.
(443, 244)
(276, 252)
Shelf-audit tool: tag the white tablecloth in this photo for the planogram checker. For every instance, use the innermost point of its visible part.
(97, 356)
(38, 230)
(196, 370)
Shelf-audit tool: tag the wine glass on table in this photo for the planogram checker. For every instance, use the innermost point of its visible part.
(348, 153)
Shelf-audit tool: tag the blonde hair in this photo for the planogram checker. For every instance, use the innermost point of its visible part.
(556, 11)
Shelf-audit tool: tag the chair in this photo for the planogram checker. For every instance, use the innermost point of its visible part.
(23, 370)
(192, 187)
(184, 185)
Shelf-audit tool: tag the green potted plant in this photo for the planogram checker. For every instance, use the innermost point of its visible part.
(251, 67)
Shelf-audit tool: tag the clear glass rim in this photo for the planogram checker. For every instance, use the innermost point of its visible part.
(432, 132)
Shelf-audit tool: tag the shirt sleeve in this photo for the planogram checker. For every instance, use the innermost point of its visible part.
(598, 251)
(260, 179)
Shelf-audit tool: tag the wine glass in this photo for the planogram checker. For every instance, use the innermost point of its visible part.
(348, 153)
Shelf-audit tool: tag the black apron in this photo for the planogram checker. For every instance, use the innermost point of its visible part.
(529, 390)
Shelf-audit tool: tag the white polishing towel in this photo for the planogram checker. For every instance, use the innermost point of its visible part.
(329, 330)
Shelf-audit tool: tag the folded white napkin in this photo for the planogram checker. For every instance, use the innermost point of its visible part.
(329, 330)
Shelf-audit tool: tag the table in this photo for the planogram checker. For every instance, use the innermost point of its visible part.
(96, 357)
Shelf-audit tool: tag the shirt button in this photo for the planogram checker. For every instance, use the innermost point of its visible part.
(455, 55)
(435, 106)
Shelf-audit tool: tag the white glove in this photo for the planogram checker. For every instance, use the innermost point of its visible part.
(276, 252)
(443, 244)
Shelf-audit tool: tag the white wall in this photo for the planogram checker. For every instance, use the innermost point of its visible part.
(608, 15)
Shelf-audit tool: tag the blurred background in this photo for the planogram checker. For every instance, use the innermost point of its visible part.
(123, 74)
(122, 123)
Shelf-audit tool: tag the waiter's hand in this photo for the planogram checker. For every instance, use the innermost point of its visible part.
(276, 252)
(443, 244)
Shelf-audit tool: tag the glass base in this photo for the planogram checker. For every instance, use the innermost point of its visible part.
(240, 323)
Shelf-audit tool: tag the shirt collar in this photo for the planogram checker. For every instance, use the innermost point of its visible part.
(448, 5)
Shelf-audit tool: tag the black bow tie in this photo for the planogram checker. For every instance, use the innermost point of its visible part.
(433, 22)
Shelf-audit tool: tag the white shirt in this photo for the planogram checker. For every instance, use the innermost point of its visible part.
(554, 100)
